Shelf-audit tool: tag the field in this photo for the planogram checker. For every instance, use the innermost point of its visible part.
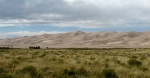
(75, 63)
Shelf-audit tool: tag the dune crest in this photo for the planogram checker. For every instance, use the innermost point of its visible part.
(81, 39)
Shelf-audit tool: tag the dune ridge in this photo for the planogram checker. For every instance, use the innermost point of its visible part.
(81, 39)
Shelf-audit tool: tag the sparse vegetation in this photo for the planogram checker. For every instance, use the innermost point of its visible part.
(75, 63)
(30, 71)
(109, 73)
(134, 62)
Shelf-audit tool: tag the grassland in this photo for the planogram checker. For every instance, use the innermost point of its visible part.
(74, 63)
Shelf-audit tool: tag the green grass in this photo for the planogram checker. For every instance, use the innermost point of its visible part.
(75, 63)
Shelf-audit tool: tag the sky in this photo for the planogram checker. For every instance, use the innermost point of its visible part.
(35, 17)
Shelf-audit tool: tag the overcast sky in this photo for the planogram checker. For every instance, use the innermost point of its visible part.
(33, 17)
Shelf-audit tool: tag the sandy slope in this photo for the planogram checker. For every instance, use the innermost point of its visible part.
(83, 39)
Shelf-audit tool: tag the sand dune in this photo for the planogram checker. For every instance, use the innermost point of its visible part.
(81, 39)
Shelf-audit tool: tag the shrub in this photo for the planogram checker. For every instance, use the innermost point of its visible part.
(75, 72)
(143, 57)
(2, 70)
(134, 57)
(70, 72)
(82, 71)
(7, 76)
(144, 69)
(106, 65)
(134, 62)
(13, 64)
(32, 71)
(46, 71)
(109, 73)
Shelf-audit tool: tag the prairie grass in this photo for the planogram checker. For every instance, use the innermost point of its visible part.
(75, 63)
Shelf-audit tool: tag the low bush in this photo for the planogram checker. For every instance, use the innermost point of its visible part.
(82, 71)
(144, 69)
(7, 76)
(32, 71)
(75, 72)
(108, 73)
(2, 70)
(134, 62)
(134, 57)
(70, 72)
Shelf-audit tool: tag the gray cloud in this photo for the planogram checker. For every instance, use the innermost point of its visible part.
(82, 13)
(25, 33)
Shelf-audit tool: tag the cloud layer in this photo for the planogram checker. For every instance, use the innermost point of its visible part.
(80, 13)
(25, 33)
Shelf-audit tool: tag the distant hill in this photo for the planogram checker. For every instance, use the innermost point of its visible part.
(81, 39)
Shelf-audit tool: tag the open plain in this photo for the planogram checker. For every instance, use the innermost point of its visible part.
(75, 63)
